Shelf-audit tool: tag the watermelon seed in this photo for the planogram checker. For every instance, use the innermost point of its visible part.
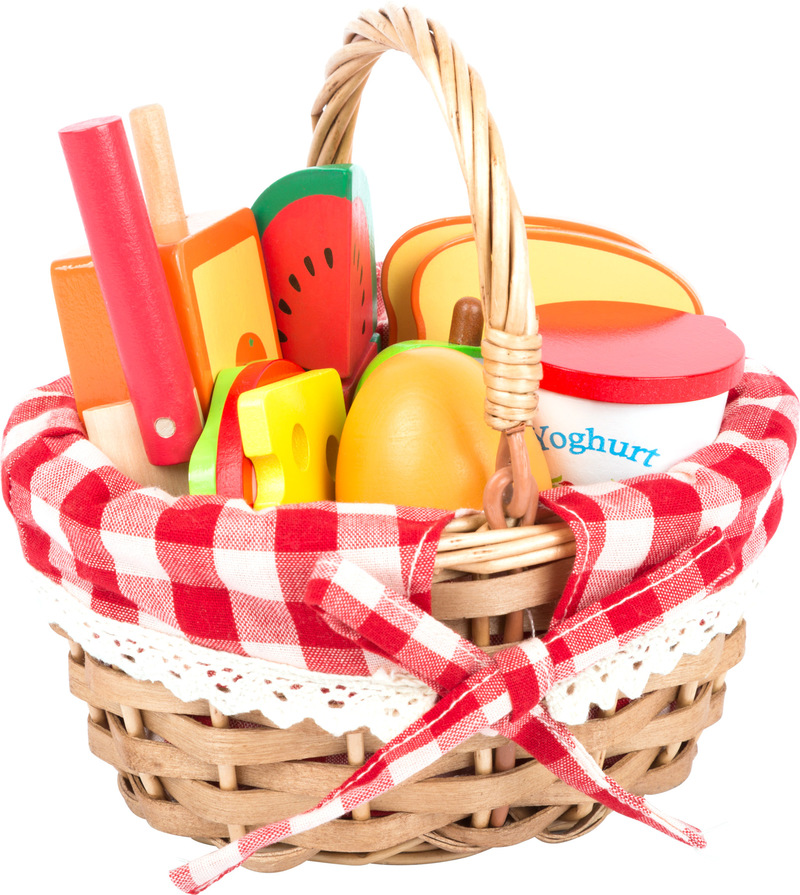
(309, 265)
(281, 336)
(328, 257)
(294, 283)
(363, 297)
(284, 307)
(363, 327)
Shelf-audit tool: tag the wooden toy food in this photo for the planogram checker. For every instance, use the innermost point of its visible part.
(416, 435)
(214, 269)
(290, 432)
(411, 249)
(629, 389)
(98, 383)
(316, 235)
(134, 289)
(563, 267)
(335, 592)
(92, 356)
(218, 464)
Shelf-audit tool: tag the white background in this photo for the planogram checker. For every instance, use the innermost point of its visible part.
(672, 123)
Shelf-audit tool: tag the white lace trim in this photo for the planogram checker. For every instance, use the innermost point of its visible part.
(388, 701)
(688, 631)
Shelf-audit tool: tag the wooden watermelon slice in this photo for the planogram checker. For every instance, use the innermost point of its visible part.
(316, 235)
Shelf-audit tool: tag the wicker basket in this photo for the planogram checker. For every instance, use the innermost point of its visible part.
(187, 770)
(213, 782)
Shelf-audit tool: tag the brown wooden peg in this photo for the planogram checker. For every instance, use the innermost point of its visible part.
(466, 324)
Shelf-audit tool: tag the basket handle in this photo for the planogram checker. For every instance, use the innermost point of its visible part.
(511, 347)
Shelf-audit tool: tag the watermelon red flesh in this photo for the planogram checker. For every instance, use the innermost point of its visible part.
(319, 268)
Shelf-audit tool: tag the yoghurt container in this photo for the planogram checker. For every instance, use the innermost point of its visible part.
(630, 389)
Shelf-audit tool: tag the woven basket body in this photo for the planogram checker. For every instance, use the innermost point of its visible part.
(201, 778)
(189, 770)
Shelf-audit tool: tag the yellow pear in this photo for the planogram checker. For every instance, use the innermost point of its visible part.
(415, 435)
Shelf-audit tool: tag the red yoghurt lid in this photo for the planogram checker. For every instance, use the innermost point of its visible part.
(635, 353)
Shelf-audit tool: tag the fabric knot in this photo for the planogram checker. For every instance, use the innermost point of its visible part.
(354, 604)
(528, 673)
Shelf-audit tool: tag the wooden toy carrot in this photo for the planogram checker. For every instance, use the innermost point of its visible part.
(134, 288)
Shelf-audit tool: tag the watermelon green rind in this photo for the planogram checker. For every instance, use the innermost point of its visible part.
(361, 190)
(347, 181)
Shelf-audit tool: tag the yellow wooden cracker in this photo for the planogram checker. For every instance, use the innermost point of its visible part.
(290, 432)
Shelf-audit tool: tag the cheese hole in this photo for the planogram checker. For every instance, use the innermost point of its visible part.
(332, 454)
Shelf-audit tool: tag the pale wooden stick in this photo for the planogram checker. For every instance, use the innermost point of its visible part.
(228, 781)
(158, 174)
(472, 538)
(97, 715)
(483, 757)
(519, 561)
(505, 758)
(114, 430)
(503, 548)
(685, 697)
(134, 726)
(356, 754)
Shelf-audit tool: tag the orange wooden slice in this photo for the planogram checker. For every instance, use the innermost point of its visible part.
(563, 267)
(408, 252)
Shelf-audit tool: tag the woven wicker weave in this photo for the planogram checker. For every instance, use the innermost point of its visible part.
(211, 782)
(189, 771)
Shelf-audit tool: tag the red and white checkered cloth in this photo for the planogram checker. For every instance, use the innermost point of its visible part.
(224, 576)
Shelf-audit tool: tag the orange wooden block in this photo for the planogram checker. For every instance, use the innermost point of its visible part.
(94, 363)
(219, 288)
(215, 268)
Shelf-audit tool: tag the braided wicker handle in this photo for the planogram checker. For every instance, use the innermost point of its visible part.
(512, 346)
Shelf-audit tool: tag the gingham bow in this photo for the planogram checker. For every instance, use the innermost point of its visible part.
(503, 692)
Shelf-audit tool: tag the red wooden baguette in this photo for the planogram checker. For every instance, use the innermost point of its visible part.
(134, 288)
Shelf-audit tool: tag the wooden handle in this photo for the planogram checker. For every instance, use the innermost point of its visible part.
(158, 174)
(511, 346)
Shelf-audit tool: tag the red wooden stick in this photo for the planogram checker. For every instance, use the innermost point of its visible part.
(134, 288)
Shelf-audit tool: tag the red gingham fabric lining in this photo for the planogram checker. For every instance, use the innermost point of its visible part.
(221, 575)
(210, 570)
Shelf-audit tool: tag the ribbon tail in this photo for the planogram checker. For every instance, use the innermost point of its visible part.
(450, 722)
(553, 745)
